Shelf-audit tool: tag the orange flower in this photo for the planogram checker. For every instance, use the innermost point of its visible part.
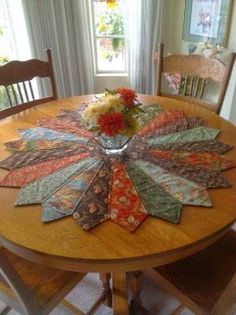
(128, 96)
(111, 123)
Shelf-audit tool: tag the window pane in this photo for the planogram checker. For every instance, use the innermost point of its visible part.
(108, 58)
(109, 35)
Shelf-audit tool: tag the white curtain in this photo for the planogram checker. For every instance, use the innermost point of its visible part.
(144, 29)
(63, 26)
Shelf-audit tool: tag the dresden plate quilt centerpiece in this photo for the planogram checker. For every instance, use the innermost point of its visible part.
(121, 162)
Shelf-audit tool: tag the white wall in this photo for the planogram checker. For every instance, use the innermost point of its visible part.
(172, 38)
(232, 114)
(110, 82)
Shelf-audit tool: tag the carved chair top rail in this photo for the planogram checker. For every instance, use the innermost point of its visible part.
(18, 92)
(195, 65)
(19, 71)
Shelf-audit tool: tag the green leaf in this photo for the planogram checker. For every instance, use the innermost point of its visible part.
(139, 109)
(116, 43)
(110, 92)
(131, 123)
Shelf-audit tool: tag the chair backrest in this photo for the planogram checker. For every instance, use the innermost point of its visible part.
(190, 74)
(16, 84)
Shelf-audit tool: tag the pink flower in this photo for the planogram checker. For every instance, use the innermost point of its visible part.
(174, 80)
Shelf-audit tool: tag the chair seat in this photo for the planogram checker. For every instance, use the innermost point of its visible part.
(203, 277)
(46, 284)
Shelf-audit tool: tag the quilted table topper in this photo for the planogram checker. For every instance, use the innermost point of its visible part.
(169, 163)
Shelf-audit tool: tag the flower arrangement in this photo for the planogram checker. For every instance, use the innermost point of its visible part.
(115, 113)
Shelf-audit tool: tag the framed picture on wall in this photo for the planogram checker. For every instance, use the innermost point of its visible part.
(207, 20)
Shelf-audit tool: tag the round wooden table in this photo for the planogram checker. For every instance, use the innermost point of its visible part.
(108, 247)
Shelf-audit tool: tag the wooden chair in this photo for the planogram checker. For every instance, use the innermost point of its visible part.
(205, 282)
(33, 289)
(194, 73)
(16, 82)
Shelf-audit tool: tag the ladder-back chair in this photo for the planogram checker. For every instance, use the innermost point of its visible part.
(16, 84)
(33, 289)
(190, 75)
(205, 282)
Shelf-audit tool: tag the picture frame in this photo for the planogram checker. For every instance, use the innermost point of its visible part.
(207, 21)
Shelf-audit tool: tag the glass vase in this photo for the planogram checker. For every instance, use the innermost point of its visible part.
(115, 145)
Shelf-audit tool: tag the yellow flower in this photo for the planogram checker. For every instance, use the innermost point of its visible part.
(112, 4)
(113, 102)
(102, 27)
(92, 112)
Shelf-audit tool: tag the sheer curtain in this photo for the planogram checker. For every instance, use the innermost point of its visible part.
(14, 43)
(63, 26)
(144, 26)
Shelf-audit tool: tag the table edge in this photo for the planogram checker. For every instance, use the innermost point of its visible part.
(114, 265)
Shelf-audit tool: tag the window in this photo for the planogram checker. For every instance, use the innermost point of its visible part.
(108, 35)
(14, 43)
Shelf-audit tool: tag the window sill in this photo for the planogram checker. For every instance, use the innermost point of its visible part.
(111, 74)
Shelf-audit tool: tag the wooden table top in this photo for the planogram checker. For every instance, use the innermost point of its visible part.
(108, 247)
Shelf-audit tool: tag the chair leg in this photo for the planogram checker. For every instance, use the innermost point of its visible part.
(6, 310)
(105, 278)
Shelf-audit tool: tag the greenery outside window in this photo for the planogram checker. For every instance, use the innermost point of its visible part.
(108, 29)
